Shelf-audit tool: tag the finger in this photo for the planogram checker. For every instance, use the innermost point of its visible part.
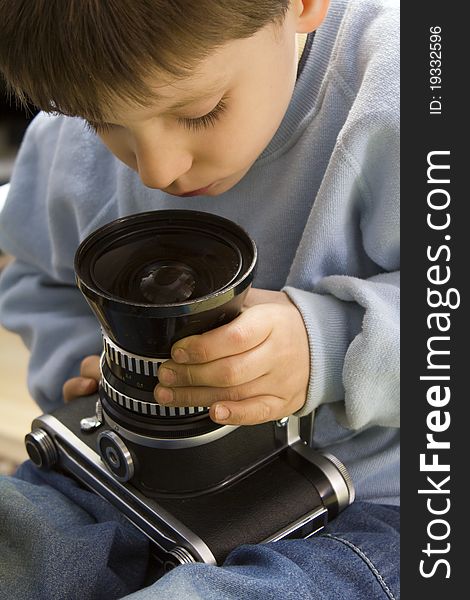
(250, 411)
(90, 367)
(205, 396)
(243, 333)
(260, 296)
(225, 372)
(78, 386)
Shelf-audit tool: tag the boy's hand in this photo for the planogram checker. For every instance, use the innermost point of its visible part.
(251, 370)
(87, 383)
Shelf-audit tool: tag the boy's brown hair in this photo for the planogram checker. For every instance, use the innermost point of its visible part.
(73, 56)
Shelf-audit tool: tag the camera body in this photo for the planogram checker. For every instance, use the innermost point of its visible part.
(271, 484)
(196, 488)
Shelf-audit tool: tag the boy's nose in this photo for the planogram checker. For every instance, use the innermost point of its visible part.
(159, 167)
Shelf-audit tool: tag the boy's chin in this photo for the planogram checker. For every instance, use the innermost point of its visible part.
(226, 184)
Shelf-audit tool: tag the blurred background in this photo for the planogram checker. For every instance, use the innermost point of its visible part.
(17, 409)
(13, 122)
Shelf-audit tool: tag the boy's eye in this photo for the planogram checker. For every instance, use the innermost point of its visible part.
(205, 121)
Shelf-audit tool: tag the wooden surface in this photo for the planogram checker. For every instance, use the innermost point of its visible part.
(17, 409)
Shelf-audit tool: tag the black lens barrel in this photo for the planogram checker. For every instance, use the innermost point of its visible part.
(152, 279)
(125, 267)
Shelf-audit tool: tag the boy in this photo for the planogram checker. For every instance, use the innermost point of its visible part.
(209, 100)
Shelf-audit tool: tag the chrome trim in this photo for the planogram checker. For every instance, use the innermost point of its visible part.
(334, 470)
(346, 476)
(303, 521)
(181, 555)
(170, 532)
(166, 443)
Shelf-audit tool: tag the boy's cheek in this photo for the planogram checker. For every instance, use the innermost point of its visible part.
(120, 147)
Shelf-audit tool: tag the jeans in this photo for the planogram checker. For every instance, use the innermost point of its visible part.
(58, 541)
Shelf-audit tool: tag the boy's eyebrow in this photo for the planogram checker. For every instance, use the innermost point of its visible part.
(208, 93)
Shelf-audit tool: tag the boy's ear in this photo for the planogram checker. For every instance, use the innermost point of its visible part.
(310, 14)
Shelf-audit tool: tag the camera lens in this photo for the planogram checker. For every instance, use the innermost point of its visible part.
(167, 282)
(152, 279)
(155, 277)
(167, 265)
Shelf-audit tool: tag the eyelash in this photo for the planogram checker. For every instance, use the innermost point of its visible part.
(205, 121)
(197, 124)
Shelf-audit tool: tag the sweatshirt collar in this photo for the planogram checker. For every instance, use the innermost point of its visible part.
(312, 69)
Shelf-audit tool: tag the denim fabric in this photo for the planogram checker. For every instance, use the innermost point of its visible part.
(356, 559)
(59, 541)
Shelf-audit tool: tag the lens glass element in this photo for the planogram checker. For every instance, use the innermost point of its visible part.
(166, 267)
(167, 282)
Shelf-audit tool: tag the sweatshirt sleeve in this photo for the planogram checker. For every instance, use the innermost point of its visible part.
(39, 299)
(353, 331)
(54, 323)
(351, 305)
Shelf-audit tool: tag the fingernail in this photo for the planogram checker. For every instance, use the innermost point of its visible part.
(180, 355)
(164, 395)
(221, 413)
(167, 376)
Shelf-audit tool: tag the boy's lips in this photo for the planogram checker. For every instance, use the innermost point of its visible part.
(198, 192)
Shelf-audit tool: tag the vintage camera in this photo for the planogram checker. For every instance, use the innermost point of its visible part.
(195, 488)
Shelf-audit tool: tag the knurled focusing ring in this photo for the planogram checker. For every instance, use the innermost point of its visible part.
(129, 380)
(135, 371)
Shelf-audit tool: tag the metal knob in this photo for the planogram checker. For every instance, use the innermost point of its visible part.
(41, 449)
(177, 556)
(116, 456)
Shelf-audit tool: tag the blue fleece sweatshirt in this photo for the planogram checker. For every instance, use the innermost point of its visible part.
(321, 202)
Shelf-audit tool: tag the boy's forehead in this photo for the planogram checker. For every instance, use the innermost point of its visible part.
(183, 93)
(166, 94)
(213, 75)
(164, 98)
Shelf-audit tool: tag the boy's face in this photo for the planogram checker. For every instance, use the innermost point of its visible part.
(235, 103)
